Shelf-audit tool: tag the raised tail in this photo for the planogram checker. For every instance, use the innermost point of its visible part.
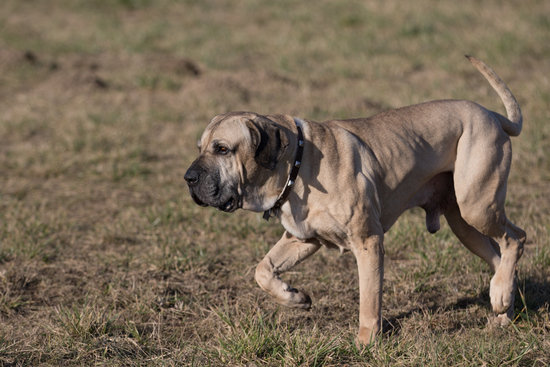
(511, 125)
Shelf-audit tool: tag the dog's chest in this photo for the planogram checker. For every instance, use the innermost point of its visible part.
(325, 229)
(300, 229)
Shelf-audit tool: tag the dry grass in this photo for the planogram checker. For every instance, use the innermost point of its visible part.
(104, 259)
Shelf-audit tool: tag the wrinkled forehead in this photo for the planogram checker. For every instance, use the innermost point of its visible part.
(230, 128)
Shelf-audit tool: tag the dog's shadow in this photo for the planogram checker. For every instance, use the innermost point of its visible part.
(532, 299)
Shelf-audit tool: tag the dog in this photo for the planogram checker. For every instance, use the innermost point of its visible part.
(343, 183)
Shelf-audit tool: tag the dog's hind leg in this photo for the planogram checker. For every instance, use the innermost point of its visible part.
(287, 252)
(479, 244)
(503, 284)
(483, 246)
(481, 171)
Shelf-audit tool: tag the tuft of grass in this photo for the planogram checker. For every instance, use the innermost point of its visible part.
(253, 336)
(85, 321)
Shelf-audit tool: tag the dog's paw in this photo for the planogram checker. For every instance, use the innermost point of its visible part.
(500, 320)
(297, 299)
(305, 303)
(366, 336)
(502, 294)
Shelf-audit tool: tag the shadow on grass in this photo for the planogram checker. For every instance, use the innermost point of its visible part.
(533, 291)
(532, 299)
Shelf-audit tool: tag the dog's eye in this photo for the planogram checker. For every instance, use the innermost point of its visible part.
(222, 150)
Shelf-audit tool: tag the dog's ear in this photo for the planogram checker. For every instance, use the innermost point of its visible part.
(269, 141)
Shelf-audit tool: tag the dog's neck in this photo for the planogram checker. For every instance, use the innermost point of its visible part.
(293, 173)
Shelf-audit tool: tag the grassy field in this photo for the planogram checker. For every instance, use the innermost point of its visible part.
(105, 260)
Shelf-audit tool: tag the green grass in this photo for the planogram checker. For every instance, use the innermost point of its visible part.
(105, 259)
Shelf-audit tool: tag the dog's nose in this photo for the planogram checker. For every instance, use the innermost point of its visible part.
(191, 176)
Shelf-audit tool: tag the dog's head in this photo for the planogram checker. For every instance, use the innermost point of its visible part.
(238, 161)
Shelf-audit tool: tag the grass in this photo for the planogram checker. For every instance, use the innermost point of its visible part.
(104, 259)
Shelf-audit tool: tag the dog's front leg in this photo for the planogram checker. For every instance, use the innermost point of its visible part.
(370, 260)
(286, 253)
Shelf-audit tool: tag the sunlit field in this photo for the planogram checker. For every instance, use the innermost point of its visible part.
(106, 260)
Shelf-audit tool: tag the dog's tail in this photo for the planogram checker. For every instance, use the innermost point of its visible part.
(511, 125)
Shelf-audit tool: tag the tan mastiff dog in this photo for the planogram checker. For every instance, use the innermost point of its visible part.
(343, 183)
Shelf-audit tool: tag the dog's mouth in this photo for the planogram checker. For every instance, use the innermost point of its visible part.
(229, 206)
(197, 200)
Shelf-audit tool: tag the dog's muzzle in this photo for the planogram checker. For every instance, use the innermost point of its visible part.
(206, 191)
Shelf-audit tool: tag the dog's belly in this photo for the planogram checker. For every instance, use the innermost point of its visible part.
(435, 197)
